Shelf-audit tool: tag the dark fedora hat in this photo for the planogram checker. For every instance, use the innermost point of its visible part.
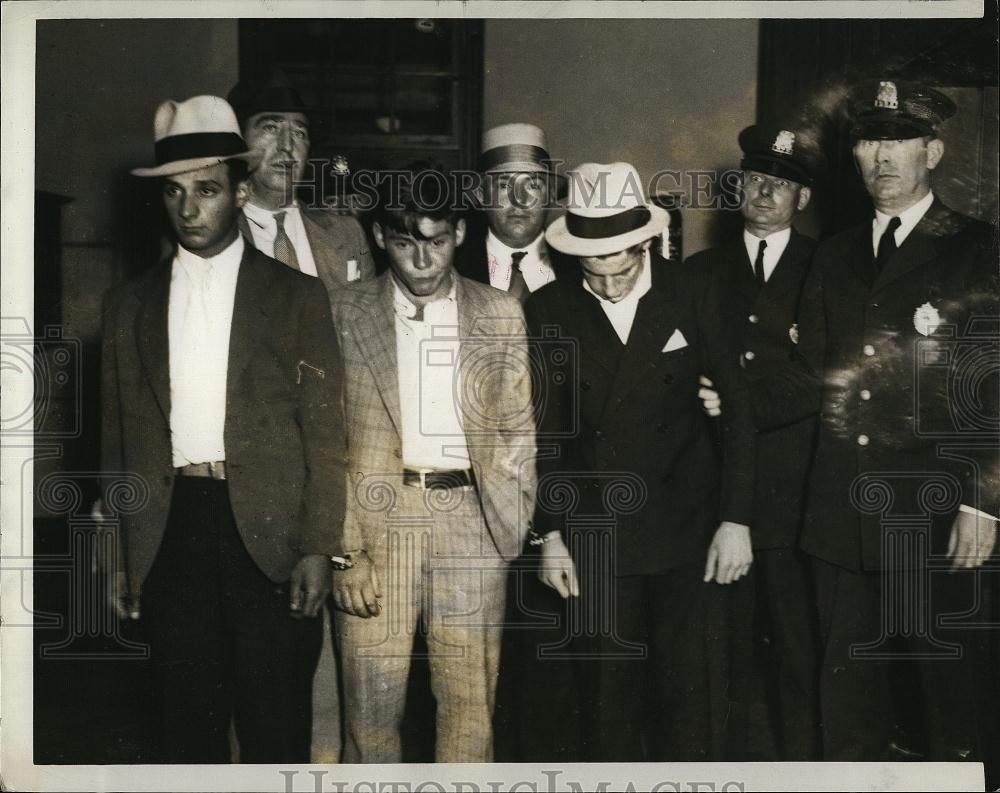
(271, 94)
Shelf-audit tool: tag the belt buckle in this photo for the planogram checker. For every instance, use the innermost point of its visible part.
(215, 471)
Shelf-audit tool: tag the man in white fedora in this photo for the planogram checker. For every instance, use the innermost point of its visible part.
(222, 390)
(519, 187)
(654, 516)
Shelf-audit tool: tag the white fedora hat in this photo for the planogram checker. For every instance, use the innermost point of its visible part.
(196, 133)
(606, 212)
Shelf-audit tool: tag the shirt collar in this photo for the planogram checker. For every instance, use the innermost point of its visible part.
(226, 260)
(535, 249)
(776, 242)
(265, 217)
(642, 285)
(405, 308)
(908, 218)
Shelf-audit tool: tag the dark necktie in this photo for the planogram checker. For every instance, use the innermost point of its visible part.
(518, 287)
(887, 244)
(284, 252)
(758, 265)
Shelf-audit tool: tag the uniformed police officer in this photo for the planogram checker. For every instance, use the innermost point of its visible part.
(904, 484)
(760, 276)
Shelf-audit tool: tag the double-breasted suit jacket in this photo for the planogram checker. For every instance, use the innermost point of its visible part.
(633, 410)
(335, 239)
(900, 360)
(765, 322)
(495, 403)
(284, 424)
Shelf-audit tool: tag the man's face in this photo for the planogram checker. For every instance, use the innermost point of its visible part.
(283, 140)
(614, 276)
(770, 202)
(897, 173)
(516, 206)
(422, 263)
(202, 206)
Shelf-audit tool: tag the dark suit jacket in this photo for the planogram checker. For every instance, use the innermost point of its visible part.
(471, 260)
(765, 323)
(631, 413)
(334, 239)
(893, 399)
(284, 430)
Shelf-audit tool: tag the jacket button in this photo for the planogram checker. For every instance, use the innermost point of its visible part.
(585, 385)
(874, 305)
(865, 394)
(598, 434)
(667, 479)
(868, 350)
(753, 319)
(863, 440)
(668, 379)
(167, 480)
(663, 427)
(749, 355)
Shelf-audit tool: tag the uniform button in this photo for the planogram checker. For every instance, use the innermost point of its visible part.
(663, 427)
(874, 305)
(866, 394)
(585, 386)
(598, 434)
(868, 350)
(749, 355)
(862, 440)
(753, 319)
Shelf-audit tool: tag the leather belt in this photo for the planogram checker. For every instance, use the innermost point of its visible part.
(459, 477)
(213, 470)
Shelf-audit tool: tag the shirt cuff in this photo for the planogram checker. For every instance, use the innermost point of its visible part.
(978, 512)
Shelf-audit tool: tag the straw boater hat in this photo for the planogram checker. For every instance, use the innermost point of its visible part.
(515, 148)
(600, 220)
(196, 133)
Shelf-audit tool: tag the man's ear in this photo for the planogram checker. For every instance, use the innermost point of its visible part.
(459, 231)
(935, 151)
(242, 193)
(379, 234)
(805, 194)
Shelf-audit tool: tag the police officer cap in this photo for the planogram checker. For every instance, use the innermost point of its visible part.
(896, 110)
(772, 149)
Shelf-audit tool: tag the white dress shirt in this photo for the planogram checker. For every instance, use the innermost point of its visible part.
(776, 244)
(908, 218)
(427, 355)
(199, 319)
(622, 313)
(264, 229)
(534, 267)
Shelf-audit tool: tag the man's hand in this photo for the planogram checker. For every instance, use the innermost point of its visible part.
(357, 590)
(972, 540)
(710, 402)
(309, 585)
(557, 569)
(730, 554)
(116, 594)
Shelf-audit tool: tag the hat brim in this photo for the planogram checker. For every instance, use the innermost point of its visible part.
(776, 166)
(890, 126)
(252, 159)
(560, 238)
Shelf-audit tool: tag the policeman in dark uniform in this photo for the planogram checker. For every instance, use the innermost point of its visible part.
(760, 275)
(898, 327)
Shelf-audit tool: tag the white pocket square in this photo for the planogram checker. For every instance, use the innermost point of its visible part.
(675, 342)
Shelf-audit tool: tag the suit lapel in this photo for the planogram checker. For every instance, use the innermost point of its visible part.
(250, 310)
(152, 336)
(920, 246)
(594, 332)
(655, 320)
(376, 336)
(330, 252)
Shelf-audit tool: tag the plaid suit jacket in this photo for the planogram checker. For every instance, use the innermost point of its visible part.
(496, 406)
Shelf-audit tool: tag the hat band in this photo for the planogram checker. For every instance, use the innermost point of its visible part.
(514, 152)
(610, 226)
(783, 168)
(195, 145)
